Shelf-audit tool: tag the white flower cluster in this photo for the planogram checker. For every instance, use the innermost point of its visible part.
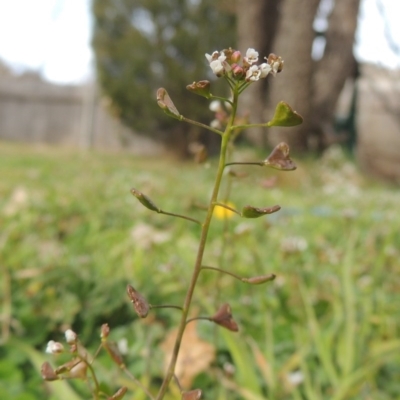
(225, 62)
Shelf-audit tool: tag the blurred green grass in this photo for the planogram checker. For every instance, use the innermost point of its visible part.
(72, 236)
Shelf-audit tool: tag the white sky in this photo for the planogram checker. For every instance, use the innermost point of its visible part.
(53, 36)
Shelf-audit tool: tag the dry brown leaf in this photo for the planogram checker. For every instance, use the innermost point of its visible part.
(195, 354)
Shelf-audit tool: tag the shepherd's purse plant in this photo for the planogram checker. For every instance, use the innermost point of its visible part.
(239, 72)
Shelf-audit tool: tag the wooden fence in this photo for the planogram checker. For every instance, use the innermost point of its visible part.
(33, 111)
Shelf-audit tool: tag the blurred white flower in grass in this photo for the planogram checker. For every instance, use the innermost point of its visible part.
(18, 201)
(123, 346)
(145, 236)
(293, 244)
(338, 174)
(295, 378)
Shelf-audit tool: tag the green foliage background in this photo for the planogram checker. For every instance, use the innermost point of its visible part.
(73, 236)
(143, 45)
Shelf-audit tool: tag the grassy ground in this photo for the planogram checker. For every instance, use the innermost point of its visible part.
(72, 237)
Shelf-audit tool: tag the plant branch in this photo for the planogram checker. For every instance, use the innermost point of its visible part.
(223, 271)
(166, 306)
(179, 216)
(200, 251)
(210, 128)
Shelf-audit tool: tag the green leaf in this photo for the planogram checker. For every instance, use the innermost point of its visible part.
(285, 116)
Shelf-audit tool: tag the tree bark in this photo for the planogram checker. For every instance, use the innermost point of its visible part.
(337, 64)
(293, 43)
(256, 24)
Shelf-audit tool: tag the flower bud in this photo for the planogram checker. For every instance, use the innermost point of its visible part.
(70, 336)
(105, 331)
(202, 88)
(140, 304)
(238, 71)
(54, 347)
(224, 318)
(236, 56)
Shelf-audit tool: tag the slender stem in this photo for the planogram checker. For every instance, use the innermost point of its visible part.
(260, 163)
(200, 251)
(179, 216)
(165, 306)
(223, 205)
(178, 383)
(91, 369)
(223, 271)
(222, 99)
(136, 381)
(210, 128)
(197, 319)
(245, 126)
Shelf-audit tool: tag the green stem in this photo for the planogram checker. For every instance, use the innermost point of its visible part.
(223, 205)
(165, 306)
(198, 319)
(200, 252)
(136, 381)
(260, 163)
(246, 126)
(208, 127)
(179, 216)
(222, 99)
(223, 271)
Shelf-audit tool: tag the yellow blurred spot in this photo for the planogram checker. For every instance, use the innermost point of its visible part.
(222, 212)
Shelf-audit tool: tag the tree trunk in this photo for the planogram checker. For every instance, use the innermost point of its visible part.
(293, 43)
(256, 24)
(334, 68)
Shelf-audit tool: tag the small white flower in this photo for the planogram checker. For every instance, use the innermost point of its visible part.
(213, 56)
(54, 347)
(217, 67)
(218, 63)
(253, 73)
(251, 56)
(215, 106)
(265, 70)
(70, 336)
